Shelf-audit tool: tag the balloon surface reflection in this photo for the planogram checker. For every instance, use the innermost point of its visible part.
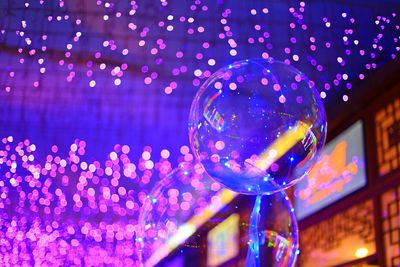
(257, 126)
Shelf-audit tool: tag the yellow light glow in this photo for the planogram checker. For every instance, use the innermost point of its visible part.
(282, 145)
(190, 227)
(361, 252)
(223, 242)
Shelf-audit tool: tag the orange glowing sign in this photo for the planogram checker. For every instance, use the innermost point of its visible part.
(339, 172)
(329, 175)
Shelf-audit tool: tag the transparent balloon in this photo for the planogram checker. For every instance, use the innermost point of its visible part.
(272, 233)
(257, 126)
(166, 217)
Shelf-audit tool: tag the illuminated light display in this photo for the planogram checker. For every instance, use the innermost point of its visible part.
(223, 241)
(68, 209)
(334, 166)
(339, 172)
(175, 39)
(116, 72)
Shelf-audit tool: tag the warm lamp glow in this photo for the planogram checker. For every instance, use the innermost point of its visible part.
(361, 252)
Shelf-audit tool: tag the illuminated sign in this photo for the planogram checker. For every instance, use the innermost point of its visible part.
(223, 241)
(339, 172)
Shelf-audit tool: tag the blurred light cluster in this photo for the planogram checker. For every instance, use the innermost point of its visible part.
(181, 44)
(112, 72)
(69, 210)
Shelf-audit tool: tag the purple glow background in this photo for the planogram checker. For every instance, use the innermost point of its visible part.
(86, 81)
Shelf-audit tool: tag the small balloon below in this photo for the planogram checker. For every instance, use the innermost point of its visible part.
(272, 233)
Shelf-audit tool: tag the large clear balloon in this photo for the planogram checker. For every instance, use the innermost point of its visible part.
(174, 209)
(257, 126)
(272, 233)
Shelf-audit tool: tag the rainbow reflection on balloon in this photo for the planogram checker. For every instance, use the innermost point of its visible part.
(272, 233)
(257, 126)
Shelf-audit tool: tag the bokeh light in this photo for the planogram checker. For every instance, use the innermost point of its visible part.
(119, 76)
(69, 210)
